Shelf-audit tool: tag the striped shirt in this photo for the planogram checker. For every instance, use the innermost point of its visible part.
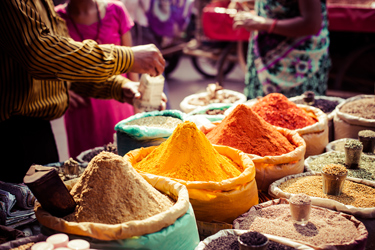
(39, 63)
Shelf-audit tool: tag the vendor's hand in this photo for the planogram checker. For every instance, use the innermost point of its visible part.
(130, 91)
(76, 101)
(148, 59)
(249, 21)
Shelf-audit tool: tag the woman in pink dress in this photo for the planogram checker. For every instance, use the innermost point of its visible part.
(90, 122)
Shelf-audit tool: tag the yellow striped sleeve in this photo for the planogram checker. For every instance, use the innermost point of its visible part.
(111, 89)
(49, 56)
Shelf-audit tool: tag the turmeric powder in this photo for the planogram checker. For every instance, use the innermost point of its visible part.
(188, 155)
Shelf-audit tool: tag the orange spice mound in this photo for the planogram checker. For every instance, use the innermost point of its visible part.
(188, 155)
(243, 129)
(277, 110)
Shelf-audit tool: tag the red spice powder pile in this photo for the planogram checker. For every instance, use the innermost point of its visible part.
(243, 129)
(277, 110)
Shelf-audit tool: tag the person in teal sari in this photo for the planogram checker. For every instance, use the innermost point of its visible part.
(288, 47)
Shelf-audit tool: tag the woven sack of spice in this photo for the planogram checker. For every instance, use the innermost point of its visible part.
(130, 136)
(331, 202)
(327, 102)
(271, 168)
(215, 201)
(160, 230)
(326, 229)
(351, 116)
(228, 238)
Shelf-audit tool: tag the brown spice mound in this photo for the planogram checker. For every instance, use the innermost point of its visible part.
(110, 191)
(324, 226)
(355, 194)
(300, 199)
(243, 129)
(364, 108)
(334, 169)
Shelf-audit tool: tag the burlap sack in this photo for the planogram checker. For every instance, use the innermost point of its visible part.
(237, 232)
(348, 126)
(215, 201)
(355, 244)
(127, 229)
(330, 116)
(276, 192)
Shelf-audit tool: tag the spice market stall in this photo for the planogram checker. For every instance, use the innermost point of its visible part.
(220, 180)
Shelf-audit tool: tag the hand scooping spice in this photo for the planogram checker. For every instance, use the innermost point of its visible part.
(277, 110)
(188, 155)
(110, 191)
(243, 129)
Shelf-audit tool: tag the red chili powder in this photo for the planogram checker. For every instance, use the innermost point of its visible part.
(243, 129)
(277, 110)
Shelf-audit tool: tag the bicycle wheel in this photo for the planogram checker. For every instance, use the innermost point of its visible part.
(209, 67)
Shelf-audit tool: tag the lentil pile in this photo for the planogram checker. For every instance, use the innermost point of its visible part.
(277, 110)
(324, 226)
(110, 191)
(365, 170)
(364, 108)
(327, 106)
(355, 194)
(188, 155)
(158, 121)
(230, 242)
(243, 129)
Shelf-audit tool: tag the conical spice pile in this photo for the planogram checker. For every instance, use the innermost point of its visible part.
(243, 129)
(188, 155)
(111, 191)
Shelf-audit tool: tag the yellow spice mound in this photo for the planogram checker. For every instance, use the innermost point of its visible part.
(188, 155)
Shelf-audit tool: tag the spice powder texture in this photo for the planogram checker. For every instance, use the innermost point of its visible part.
(243, 129)
(111, 191)
(277, 110)
(188, 155)
(324, 226)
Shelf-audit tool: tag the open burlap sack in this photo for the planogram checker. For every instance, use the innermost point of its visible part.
(347, 125)
(215, 201)
(330, 116)
(369, 213)
(272, 168)
(355, 244)
(237, 232)
(128, 229)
